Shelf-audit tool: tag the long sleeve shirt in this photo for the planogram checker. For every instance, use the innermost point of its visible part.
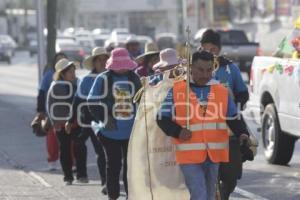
(229, 75)
(80, 100)
(111, 101)
(43, 90)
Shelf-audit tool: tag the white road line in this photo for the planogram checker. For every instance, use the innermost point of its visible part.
(39, 178)
(248, 194)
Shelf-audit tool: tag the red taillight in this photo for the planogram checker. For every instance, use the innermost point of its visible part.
(259, 51)
(81, 53)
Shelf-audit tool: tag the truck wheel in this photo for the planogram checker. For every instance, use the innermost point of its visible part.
(278, 146)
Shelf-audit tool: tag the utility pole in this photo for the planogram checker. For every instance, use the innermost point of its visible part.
(25, 28)
(51, 27)
(276, 10)
(181, 10)
(8, 7)
(184, 14)
(40, 37)
(210, 12)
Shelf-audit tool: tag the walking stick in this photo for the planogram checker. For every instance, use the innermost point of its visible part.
(188, 72)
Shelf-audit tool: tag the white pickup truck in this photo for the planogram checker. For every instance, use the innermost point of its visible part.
(275, 104)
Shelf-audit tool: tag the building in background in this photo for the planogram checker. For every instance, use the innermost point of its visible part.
(149, 17)
(3, 22)
(17, 19)
(145, 17)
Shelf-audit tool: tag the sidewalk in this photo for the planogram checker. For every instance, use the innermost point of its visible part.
(17, 184)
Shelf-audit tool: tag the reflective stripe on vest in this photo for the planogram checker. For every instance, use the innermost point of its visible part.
(208, 126)
(201, 146)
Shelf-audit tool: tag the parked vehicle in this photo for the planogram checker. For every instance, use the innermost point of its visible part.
(99, 40)
(71, 48)
(166, 40)
(119, 36)
(33, 47)
(5, 52)
(87, 43)
(9, 43)
(69, 31)
(236, 46)
(275, 105)
(100, 35)
(101, 31)
(143, 39)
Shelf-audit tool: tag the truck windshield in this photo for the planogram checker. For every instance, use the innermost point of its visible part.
(233, 37)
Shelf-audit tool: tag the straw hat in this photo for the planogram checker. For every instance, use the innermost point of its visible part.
(60, 66)
(150, 49)
(167, 57)
(120, 60)
(97, 51)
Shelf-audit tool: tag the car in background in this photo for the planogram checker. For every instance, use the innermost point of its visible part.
(100, 36)
(85, 39)
(87, 43)
(71, 48)
(5, 51)
(99, 40)
(69, 31)
(144, 39)
(33, 47)
(119, 35)
(9, 42)
(166, 40)
(82, 33)
(101, 31)
(117, 38)
(235, 46)
(66, 39)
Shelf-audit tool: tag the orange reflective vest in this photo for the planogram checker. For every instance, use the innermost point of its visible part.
(208, 126)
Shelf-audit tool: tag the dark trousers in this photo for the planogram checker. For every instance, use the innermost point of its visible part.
(116, 152)
(65, 146)
(81, 151)
(230, 172)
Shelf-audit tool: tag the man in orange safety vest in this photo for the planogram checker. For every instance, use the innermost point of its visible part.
(204, 144)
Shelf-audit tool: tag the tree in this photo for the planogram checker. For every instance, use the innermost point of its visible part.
(51, 27)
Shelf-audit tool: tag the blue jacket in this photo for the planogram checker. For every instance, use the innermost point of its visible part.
(43, 90)
(80, 100)
(230, 76)
(112, 91)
